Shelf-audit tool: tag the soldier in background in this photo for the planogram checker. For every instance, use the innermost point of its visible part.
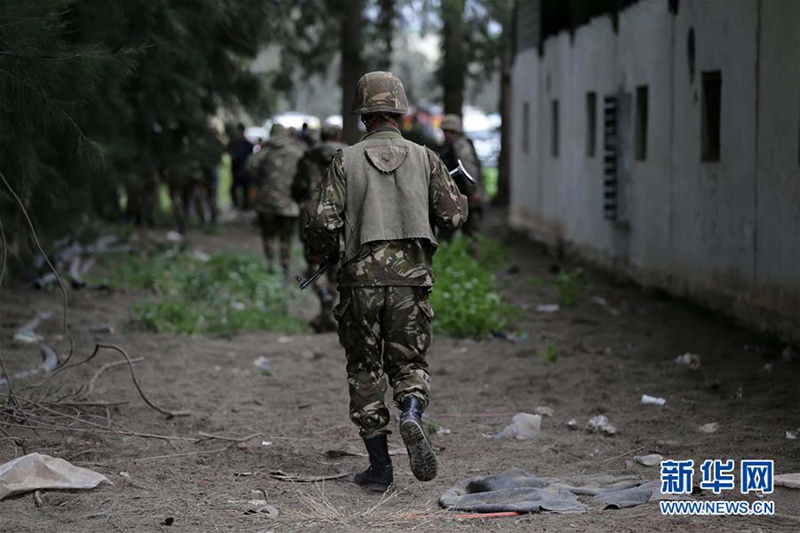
(310, 171)
(376, 203)
(274, 168)
(458, 146)
(240, 149)
(208, 149)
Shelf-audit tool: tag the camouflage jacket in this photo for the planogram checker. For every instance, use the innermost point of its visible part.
(311, 169)
(274, 168)
(407, 262)
(463, 149)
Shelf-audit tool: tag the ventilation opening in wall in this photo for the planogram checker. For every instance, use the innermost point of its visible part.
(711, 115)
(641, 122)
(591, 124)
(526, 127)
(555, 129)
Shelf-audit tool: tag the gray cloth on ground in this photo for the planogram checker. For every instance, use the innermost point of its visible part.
(517, 490)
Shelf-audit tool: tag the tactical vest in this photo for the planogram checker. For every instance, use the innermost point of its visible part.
(388, 182)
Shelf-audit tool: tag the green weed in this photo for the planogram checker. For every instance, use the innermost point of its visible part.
(465, 298)
(549, 354)
(569, 286)
(231, 291)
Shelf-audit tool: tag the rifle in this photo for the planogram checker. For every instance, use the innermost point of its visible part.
(306, 283)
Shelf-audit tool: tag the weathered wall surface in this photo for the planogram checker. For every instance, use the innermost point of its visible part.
(726, 232)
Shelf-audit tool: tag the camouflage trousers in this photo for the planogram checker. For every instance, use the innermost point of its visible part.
(385, 331)
(280, 227)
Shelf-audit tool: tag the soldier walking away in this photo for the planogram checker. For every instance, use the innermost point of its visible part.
(274, 168)
(376, 203)
(458, 146)
(240, 149)
(309, 175)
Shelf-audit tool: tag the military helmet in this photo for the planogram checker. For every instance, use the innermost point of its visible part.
(330, 131)
(452, 123)
(380, 92)
(277, 130)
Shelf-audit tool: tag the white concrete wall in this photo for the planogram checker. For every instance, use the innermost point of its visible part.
(725, 233)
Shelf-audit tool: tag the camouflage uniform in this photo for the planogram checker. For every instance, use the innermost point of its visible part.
(274, 168)
(309, 175)
(384, 315)
(459, 146)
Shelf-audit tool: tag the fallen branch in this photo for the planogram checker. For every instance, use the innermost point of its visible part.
(208, 436)
(91, 384)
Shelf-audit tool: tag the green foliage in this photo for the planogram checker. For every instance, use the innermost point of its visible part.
(490, 177)
(431, 426)
(569, 286)
(464, 298)
(224, 293)
(100, 95)
(549, 354)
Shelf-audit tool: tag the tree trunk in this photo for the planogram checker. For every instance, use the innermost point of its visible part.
(351, 44)
(506, 64)
(454, 69)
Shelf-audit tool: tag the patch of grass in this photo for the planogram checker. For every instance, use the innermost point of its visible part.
(549, 354)
(465, 298)
(431, 426)
(228, 292)
(569, 286)
(490, 175)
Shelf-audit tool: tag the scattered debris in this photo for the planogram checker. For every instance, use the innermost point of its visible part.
(739, 394)
(26, 333)
(511, 336)
(600, 423)
(168, 521)
(443, 431)
(572, 424)
(266, 443)
(788, 355)
(792, 435)
(262, 364)
(283, 340)
(523, 426)
(544, 411)
(49, 363)
(599, 300)
(711, 427)
(648, 460)
(36, 471)
(201, 256)
(280, 475)
(692, 360)
(652, 400)
(790, 481)
(124, 474)
(767, 368)
(173, 236)
(102, 328)
(548, 308)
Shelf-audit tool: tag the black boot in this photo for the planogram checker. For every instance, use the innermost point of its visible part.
(420, 452)
(379, 475)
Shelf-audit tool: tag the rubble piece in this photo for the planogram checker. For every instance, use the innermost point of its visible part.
(792, 435)
(709, 428)
(600, 423)
(572, 424)
(692, 360)
(523, 426)
(544, 411)
(652, 400)
(548, 308)
(648, 460)
(262, 364)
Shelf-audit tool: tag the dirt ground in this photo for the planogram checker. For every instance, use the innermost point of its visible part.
(608, 356)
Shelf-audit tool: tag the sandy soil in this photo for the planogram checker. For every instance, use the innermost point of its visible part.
(608, 357)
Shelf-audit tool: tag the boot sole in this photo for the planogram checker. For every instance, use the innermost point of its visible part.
(420, 453)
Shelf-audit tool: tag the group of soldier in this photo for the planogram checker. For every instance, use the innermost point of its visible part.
(286, 170)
